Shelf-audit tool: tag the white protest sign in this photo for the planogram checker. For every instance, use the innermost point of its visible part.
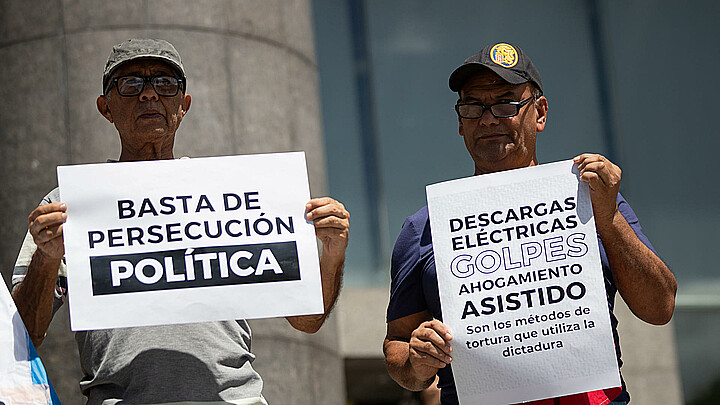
(521, 285)
(189, 240)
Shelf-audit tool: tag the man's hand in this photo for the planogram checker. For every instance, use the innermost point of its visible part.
(603, 177)
(332, 226)
(34, 295)
(46, 227)
(416, 347)
(430, 348)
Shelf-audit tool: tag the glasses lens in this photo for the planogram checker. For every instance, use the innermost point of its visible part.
(504, 110)
(130, 85)
(469, 110)
(166, 85)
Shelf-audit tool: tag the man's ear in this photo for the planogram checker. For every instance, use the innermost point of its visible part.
(461, 130)
(185, 105)
(104, 107)
(541, 105)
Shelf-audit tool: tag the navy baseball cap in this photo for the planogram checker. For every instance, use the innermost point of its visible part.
(508, 61)
(142, 48)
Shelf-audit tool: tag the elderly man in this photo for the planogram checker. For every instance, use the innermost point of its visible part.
(144, 96)
(500, 112)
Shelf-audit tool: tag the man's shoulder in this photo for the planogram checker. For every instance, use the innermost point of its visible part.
(419, 218)
(415, 231)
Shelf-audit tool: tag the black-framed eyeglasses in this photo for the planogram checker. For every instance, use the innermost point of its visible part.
(129, 86)
(505, 109)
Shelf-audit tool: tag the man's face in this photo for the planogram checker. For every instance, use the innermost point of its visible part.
(497, 144)
(146, 121)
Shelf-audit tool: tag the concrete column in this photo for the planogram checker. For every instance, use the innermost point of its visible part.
(252, 74)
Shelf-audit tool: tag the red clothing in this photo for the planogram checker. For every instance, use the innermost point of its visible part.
(601, 397)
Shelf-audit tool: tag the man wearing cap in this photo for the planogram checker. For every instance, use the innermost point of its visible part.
(144, 96)
(501, 108)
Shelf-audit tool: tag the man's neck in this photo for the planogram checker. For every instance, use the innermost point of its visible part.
(147, 152)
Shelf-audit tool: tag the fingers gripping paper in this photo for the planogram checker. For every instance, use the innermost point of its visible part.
(521, 285)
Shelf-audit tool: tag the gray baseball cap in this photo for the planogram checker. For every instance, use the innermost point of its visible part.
(142, 48)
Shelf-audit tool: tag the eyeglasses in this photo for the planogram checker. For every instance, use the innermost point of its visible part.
(505, 109)
(129, 86)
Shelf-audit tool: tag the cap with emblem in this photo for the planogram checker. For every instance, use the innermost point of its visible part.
(142, 48)
(508, 61)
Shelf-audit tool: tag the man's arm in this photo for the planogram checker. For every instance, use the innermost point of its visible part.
(416, 347)
(332, 227)
(34, 296)
(646, 284)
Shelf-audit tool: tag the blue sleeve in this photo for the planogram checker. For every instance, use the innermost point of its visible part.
(406, 290)
(633, 221)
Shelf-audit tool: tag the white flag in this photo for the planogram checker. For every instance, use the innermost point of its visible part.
(23, 380)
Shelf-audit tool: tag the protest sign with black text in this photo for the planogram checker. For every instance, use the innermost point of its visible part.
(189, 240)
(521, 285)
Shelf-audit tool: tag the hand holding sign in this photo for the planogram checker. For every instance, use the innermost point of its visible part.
(603, 177)
(332, 226)
(45, 226)
(430, 348)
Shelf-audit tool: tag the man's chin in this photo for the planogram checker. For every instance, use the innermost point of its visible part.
(494, 156)
(493, 162)
(152, 132)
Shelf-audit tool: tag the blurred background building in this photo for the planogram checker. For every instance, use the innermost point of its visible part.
(631, 80)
